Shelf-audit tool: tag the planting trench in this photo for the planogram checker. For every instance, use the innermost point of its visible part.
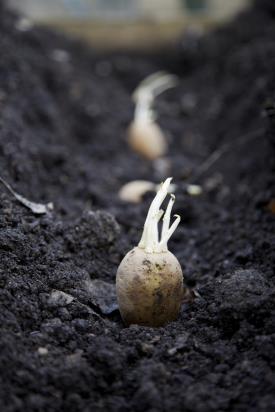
(63, 123)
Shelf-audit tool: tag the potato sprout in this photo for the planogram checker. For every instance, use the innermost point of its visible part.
(149, 279)
(145, 136)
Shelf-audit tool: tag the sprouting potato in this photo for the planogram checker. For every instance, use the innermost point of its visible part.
(144, 135)
(133, 191)
(147, 139)
(149, 279)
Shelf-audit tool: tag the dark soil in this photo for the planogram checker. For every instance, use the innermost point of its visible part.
(63, 121)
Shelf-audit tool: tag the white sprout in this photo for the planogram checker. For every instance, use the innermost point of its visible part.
(150, 237)
(147, 91)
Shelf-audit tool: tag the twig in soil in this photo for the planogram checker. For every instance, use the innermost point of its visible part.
(218, 153)
(37, 208)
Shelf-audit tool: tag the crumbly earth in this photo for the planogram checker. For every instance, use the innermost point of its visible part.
(64, 110)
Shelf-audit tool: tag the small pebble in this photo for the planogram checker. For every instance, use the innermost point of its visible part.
(60, 56)
(194, 190)
(23, 24)
(59, 298)
(42, 351)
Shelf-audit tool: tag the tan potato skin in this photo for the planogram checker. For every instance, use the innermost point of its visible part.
(147, 139)
(149, 288)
